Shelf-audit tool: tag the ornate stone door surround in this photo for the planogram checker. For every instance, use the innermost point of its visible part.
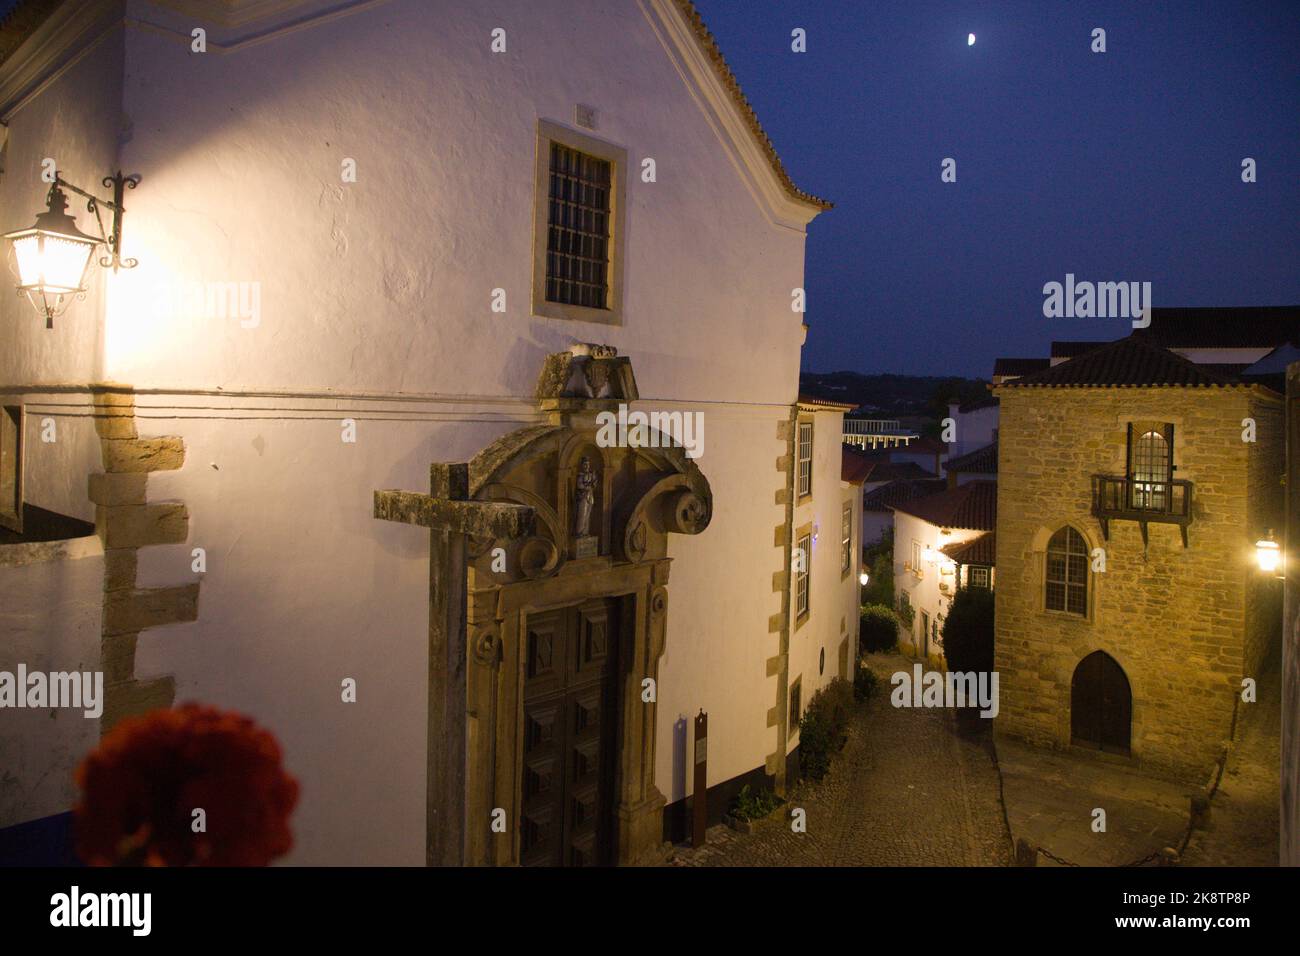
(638, 497)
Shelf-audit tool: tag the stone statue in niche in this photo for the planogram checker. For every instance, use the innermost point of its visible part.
(584, 499)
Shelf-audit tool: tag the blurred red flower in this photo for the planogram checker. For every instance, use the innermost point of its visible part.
(141, 786)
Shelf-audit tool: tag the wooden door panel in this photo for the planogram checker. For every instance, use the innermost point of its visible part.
(568, 739)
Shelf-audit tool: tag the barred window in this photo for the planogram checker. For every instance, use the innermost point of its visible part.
(846, 538)
(577, 234)
(1067, 572)
(801, 576)
(805, 458)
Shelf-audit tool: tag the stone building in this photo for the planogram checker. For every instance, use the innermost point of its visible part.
(346, 420)
(1132, 485)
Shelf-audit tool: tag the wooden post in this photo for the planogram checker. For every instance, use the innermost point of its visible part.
(700, 802)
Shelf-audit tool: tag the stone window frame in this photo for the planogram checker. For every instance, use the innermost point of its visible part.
(13, 423)
(548, 132)
(1038, 549)
(800, 477)
(795, 700)
(801, 535)
(1066, 583)
(846, 538)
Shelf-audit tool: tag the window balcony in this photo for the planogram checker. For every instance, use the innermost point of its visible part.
(1132, 499)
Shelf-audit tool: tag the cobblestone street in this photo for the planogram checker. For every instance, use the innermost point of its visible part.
(1243, 825)
(905, 791)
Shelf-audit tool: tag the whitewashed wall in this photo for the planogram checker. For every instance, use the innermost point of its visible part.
(381, 287)
(924, 591)
(833, 598)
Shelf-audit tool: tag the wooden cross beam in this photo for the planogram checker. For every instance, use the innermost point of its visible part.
(451, 517)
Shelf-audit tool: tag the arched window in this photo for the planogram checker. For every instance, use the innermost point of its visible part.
(1067, 572)
(1149, 470)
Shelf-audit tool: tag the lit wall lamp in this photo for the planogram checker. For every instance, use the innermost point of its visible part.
(1269, 555)
(51, 257)
(864, 579)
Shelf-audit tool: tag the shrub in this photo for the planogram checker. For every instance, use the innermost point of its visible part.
(968, 631)
(906, 613)
(864, 682)
(880, 588)
(823, 729)
(751, 804)
(877, 628)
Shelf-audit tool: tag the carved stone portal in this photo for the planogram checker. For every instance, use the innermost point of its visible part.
(602, 520)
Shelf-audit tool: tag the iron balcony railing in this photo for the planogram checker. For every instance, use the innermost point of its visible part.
(1133, 499)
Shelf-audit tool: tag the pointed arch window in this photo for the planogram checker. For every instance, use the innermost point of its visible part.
(1066, 586)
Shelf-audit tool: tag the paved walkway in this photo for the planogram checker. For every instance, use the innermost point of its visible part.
(907, 790)
(1243, 825)
(1051, 796)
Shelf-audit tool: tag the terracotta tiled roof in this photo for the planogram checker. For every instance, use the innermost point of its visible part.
(924, 443)
(1071, 349)
(981, 461)
(981, 550)
(855, 467)
(988, 401)
(971, 506)
(1223, 328)
(1019, 366)
(887, 496)
(886, 470)
(710, 47)
(806, 399)
(1129, 362)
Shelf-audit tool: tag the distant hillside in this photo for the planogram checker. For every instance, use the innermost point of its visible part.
(893, 395)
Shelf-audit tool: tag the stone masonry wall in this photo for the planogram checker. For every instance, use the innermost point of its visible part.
(1173, 618)
(1264, 495)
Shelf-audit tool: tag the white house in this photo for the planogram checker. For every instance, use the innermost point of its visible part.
(942, 542)
(395, 262)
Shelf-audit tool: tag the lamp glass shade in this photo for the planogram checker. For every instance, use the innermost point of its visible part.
(51, 256)
(1268, 554)
(51, 263)
(864, 579)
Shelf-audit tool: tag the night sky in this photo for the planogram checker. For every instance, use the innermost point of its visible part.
(1115, 166)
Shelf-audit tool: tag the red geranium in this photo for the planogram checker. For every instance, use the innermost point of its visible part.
(141, 786)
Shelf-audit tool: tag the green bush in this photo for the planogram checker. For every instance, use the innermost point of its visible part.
(877, 628)
(824, 727)
(968, 632)
(906, 613)
(865, 682)
(751, 804)
(880, 588)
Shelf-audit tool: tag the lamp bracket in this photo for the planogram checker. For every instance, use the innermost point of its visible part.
(111, 239)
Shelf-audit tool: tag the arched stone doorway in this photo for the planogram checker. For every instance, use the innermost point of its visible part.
(567, 625)
(1101, 705)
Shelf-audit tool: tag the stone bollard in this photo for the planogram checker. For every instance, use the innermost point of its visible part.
(1168, 857)
(1026, 855)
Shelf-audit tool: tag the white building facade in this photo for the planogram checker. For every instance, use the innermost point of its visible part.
(344, 227)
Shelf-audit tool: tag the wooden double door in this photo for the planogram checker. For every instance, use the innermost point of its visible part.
(1101, 704)
(570, 736)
